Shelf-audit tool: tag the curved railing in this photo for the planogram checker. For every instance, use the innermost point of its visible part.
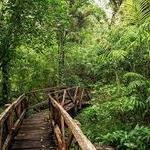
(66, 129)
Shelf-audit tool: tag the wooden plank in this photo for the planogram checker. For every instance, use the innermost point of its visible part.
(32, 137)
(38, 138)
(27, 144)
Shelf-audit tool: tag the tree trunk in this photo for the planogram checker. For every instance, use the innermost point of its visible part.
(61, 57)
(117, 82)
(5, 50)
(5, 81)
(61, 64)
(9, 42)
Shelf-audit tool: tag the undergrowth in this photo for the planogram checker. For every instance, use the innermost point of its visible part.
(119, 119)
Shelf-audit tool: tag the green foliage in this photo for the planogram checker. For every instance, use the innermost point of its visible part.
(112, 118)
(47, 42)
(102, 118)
(136, 139)
(132, 75)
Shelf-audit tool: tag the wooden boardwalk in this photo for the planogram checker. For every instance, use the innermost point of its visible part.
(54, 129)
(35, 134)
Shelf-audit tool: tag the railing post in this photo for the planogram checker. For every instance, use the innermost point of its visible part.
(63, 133)
(75, 99)
(26, 102)
(10, 119)
(62, 122)
(80, 100)
(1, 134)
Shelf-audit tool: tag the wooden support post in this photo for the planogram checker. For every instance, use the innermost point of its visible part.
(10, 120)
(75, 99)
(63, 100)
(70, 139)
(80, 100)
(1, 134)
(70, 96)
(63, 132)
(87, 94)
(75, 95)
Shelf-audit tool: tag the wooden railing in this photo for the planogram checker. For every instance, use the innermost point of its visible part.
(10, 121)
(66, 129)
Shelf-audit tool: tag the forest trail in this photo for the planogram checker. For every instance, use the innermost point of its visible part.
(51, 129)
(35, 134)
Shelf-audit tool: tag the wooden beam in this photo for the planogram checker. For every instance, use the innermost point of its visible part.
(58, 135)
(80, 101)
(63, 99)
(18, 122)
(68, 92)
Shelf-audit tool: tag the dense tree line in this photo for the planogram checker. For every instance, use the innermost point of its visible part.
(30, 32)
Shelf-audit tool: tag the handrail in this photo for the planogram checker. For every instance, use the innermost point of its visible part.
(10, 121)
(82, 140)
(61, 119)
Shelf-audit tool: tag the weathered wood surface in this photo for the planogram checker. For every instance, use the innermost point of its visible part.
(67, 131)
(35, 133)
(75, 130)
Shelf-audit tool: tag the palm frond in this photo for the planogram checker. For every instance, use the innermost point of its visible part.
(145, 8)
(133, 75)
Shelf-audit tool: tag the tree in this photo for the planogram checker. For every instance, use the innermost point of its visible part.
(67, 19)
(21, 22)
(9, 41)
(115, 5)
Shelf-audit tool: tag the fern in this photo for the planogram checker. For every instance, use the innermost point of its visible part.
(136, 139)
(133, 76)
(118, 55)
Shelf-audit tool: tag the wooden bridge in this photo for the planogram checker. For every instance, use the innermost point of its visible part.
(53, 129)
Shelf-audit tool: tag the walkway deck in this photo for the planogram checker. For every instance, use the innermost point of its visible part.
(35, 134)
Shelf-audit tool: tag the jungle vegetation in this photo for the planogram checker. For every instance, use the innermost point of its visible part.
(46, 43)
